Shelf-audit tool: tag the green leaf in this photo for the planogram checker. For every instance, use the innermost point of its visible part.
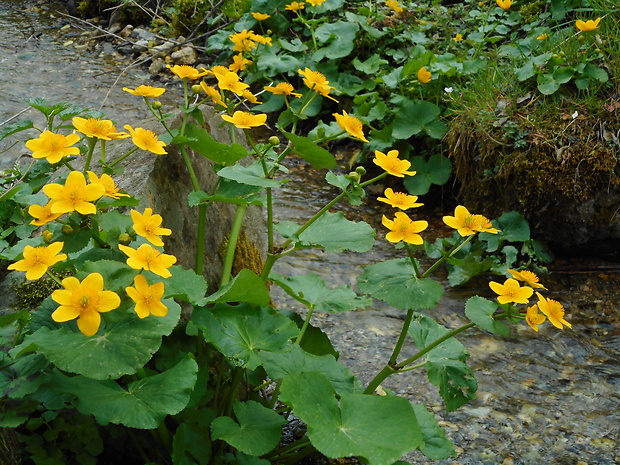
(245, 287)
(436, 445)
(436, 170)
(317, 156)
(116, 275)
(242, 331)
(311, 291)
(394, 282)
(201, 141)
(341, 38)
(191, 445)
(186, 285)
(415, 117)
(370, 65)
(144, 404)
(122, 348)
(334, 233)
(380, 429)
(480, 311)
(547, 85)
(273, 63)
(445, 364)
(258, 430)
(278, 365)
(513, 228)
(252, 175)
(22, 377)
(15, 127)
(597, 73)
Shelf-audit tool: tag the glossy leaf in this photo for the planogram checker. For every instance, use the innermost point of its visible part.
(121, 348)
(186, 285)
(436, 445)
(144, 404)
(245, 287)
(242, 331)
(480, 311)
(380, 429)
(436, 170)
(252, 175)
(201, 141)
(258, 430)
(394, 282)
(311, 291)
(317, 156)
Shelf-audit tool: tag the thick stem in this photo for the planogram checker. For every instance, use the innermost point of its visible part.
(401, 338)
(304, 327)
(89, 156)
(118, 160)
(232, 244)
(455, 248)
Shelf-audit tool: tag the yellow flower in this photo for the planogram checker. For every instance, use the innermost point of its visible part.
(480, 4)
(553, 310)
(534, 318)
(424, 75)
(466, 223)
(231, 81)
(394, 6)
(260, 16)
(245, 120)
(100, 128)
(110, 187)
(402, 228)
(53, 147)
(250, 97)
(586, 26)
(527, 277)
(261, 39)
(351, 125)
(544, 36)
(295, 6)
(316, 2)
(145, 91)
(147, 298)
(392, 164)
(75, 195)
(213, 93)
(42, 214)
(148, 225)
(239, 63)
(243, 41)
(185, 71)
(146, 140)
(483, 224)
(316, 81)
(37, 260)
(146, 257)
(399, 199)
(510, 291)
(282, 88)
(504, 4)
(458, 38)
(85, 301)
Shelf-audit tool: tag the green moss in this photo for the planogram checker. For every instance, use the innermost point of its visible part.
(247, 256)
(30, 294)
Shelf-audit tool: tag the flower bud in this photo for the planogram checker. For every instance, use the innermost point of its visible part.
(354, 176)
(273, 140)
(196, 89)
(360, 170)
(48, 236)
(124, 239)
(157, 105)
(67, 229)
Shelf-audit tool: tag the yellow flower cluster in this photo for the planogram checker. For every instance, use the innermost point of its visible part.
(512, 292)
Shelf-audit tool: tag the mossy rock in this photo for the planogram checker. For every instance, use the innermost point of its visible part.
(559, 168)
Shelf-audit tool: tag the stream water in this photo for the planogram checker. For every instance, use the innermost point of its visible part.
(546, 398)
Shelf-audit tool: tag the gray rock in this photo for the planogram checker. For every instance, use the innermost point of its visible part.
(185, 56)
(157, 65)
(140, 46)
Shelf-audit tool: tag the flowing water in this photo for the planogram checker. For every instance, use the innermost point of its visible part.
(546, 398)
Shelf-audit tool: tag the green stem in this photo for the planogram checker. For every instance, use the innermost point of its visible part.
(53, 277)
(91, 148)
(136, 444)
(455, 248)
(164, 436)
(304, 327)
(201, 234)
(434, 344)
(414, 262)
(226, 407)
(118, 160)
(103, 156)
(68, 165)
(232, 243)
(389, 370)
(401, 338)
(301, 442)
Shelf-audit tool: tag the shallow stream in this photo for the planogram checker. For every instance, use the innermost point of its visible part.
(546, 398)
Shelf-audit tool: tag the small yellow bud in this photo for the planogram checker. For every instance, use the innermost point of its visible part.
(67, 229)
(354, 176)
(196, 89)
(273, 140)
(157, 105)
(360, 170)
(124, 239)
(48, 236)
